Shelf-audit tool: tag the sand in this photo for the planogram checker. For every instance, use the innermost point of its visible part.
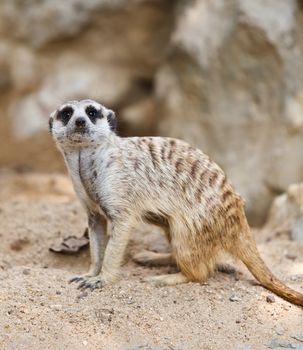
(40, 310)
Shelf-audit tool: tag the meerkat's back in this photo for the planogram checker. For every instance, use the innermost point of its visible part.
(201, 214)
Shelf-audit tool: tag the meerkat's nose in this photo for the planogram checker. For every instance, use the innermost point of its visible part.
(80, 122)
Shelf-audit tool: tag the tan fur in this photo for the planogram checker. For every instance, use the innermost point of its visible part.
(161, 181)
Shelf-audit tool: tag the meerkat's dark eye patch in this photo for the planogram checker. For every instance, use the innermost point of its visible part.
(93, 113)
(65, 114)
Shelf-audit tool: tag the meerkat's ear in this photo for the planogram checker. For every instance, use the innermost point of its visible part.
(112, 120)
(51, 120)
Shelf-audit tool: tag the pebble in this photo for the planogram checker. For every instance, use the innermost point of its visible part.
(82, 295)
(234, 297)
(26, 271)
(296, 277)
(270, 299)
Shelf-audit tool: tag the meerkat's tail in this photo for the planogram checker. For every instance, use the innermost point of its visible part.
(246, 250)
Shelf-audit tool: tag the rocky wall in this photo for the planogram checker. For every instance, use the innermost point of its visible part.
(226, 75)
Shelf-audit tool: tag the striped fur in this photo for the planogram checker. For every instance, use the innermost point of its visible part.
(161, 181)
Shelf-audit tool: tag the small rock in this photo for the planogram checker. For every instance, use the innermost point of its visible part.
(26, 271)
(270, 299)
(85, 342)
(58, 292)
(57, 307)
(234, 297)
(297, 277)
(82, 295)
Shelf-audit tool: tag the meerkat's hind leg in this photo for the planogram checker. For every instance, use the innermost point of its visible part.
(150, 258)
(222, 266)
(167, 280)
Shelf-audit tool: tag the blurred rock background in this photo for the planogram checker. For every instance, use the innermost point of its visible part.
(225, 75)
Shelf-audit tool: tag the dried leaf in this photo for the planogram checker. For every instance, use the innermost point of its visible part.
(71, 244)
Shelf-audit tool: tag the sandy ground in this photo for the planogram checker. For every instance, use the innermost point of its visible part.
(40, 310)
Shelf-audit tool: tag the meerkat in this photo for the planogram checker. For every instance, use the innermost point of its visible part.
(162, 181)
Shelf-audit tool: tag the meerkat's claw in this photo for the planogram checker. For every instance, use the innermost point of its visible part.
(91, 283)
(76, 279)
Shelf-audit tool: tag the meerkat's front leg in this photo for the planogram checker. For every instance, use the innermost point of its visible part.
(113, 257)
(97, 242)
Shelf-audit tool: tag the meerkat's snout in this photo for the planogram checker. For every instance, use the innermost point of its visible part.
(80, 125)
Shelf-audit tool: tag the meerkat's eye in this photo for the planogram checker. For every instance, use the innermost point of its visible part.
(65, 114)
(93, 113)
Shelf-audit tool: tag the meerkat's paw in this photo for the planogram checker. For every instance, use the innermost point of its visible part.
(149, 258)
(87, 281)
(167, 280)
(81, 278)
(92, 283)
(226, 268)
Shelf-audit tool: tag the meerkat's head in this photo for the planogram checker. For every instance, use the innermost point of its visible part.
(81, 124)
